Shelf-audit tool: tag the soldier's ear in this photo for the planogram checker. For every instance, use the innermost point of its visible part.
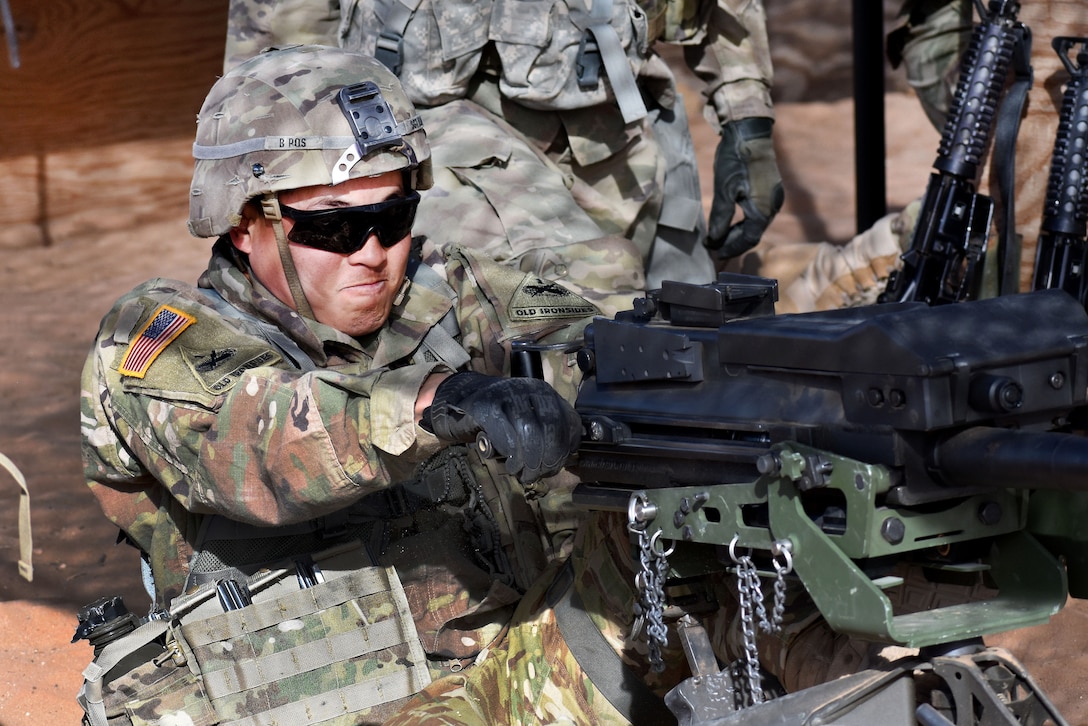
(241, 239)
(241, 235)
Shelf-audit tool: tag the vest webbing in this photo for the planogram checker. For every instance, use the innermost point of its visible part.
(624, 86)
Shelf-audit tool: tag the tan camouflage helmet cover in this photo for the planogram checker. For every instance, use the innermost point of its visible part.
(281, 121)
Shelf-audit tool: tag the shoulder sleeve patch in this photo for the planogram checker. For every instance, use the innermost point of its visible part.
(521, 298)
(218, 369)
(539, 299)
(164, 325)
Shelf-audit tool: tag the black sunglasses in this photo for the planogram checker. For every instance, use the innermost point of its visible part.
(346, 229)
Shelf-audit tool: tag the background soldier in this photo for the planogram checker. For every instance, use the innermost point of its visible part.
(928, 42)
(584, 86)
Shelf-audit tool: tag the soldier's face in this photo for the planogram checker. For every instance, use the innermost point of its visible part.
(352, 292)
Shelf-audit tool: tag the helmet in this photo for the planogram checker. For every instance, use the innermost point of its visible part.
(295, 117)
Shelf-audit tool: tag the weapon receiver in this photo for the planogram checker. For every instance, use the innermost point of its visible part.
(865, 437)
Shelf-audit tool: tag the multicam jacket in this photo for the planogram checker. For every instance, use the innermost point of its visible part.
(625, 148)
(441, 45)
(219, 400)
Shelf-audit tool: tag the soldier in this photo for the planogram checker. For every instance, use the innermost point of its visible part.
(313, 394)
(928, 39)
(585, 87)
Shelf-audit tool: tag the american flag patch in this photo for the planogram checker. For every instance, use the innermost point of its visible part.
(165, 325)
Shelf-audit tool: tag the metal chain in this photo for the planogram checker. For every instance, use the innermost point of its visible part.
(650, 585)
(784, 549)
(750, 594)
(650, 608)
(749, 597)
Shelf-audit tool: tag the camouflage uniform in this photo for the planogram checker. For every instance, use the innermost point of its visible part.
(633, 172)
(349, 419)
(513, 205)
(225, 433)
(164, 452)
(928, 40)
(534, 677)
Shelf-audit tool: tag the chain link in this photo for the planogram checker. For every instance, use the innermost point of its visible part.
(650, 585)
(781, 570)
(751, 601)
(753, 610)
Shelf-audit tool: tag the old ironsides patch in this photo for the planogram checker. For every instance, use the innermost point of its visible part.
(538, 299)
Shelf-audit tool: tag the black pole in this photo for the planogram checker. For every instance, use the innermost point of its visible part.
(869, 150)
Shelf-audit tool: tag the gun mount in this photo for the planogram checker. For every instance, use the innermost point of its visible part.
(863, 437)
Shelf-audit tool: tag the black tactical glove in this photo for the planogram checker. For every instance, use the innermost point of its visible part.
(524, 420)
(745, 173)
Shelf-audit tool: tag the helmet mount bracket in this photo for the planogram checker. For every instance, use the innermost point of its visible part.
(371, 120)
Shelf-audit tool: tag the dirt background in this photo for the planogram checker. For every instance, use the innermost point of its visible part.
(55, 286)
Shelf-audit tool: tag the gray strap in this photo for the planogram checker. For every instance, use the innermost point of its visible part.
(680, 212)
(91, 692)
(395, 16)
(682, 203)
(443, 339)
(608, 673)
(628, 97)
(276, 337)
(26, 542)
(444, 345)
(1007, 128)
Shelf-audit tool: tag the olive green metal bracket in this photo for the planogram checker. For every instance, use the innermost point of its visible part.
(1030, 581)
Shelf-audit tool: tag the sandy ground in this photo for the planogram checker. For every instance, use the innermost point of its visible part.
(51, 300)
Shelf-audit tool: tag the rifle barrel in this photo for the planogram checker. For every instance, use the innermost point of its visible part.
(990, 457)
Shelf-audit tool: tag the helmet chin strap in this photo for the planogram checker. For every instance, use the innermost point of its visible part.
(270, 207)
(402, 292)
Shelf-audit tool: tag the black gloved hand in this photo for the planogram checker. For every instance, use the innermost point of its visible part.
(745, 173)
(526, 422)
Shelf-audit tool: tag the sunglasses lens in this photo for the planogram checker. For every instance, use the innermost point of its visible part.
(345, 230)
(396, 224)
